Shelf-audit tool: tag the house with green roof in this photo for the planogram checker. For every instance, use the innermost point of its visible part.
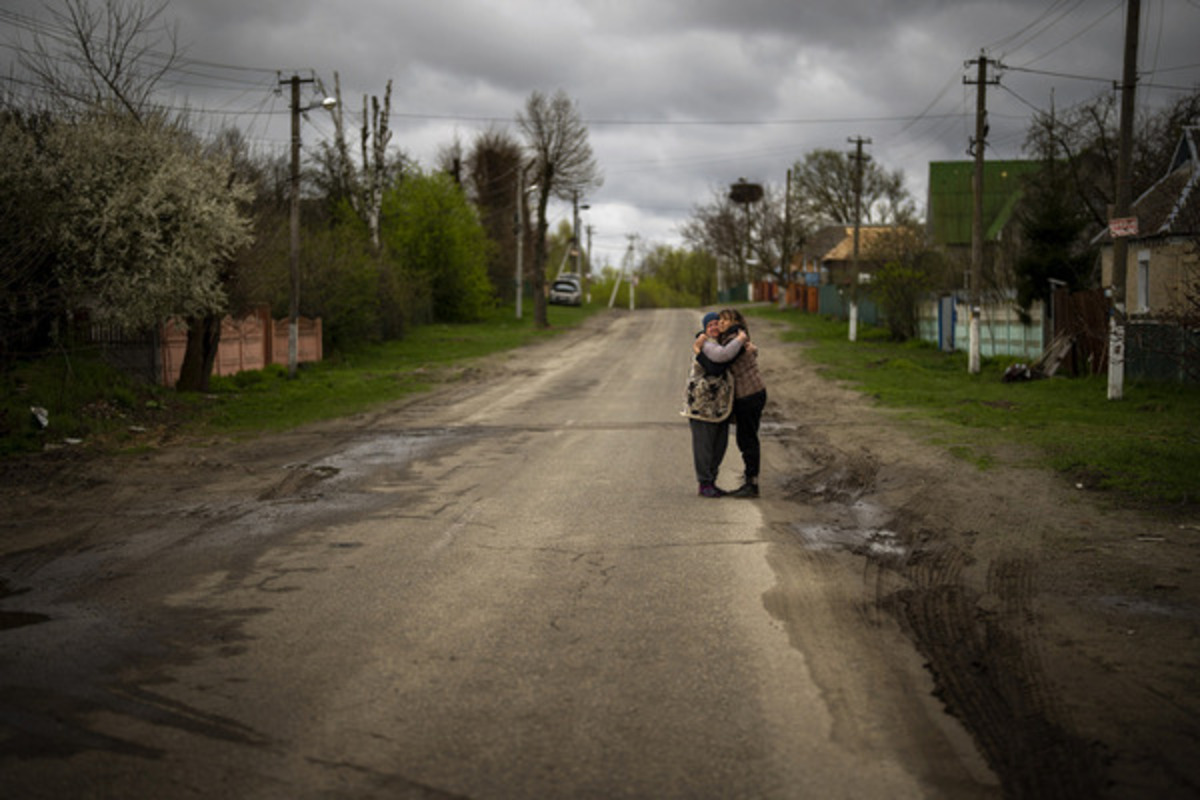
(949, 218)
(951, 206)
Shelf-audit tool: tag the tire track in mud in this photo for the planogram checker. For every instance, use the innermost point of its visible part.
(982, 645)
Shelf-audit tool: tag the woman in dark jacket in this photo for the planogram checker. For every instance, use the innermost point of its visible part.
(750, 393)
(708, 404)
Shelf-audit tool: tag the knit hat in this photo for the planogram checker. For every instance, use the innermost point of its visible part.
(711, 316)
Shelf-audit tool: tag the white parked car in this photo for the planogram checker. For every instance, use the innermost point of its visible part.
(566, 291)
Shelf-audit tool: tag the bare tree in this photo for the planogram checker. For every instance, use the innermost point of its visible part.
(765, 230)
(824, 186)
(563, 164)
(106, 58)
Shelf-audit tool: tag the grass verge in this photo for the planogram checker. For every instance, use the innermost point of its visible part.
(1144, 448)
(91, 405)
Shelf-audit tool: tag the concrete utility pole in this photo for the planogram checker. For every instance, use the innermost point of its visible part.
(578, 243)
(587, 266)
(978, 148)
(858, 157)
(1121, 208)
(633, 237)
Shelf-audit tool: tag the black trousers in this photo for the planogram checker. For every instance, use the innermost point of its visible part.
(709, 441)
(747, 415)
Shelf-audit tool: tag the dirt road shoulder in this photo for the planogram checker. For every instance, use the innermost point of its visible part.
(1062, 630)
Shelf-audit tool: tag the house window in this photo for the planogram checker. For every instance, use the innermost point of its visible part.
(1143, 281)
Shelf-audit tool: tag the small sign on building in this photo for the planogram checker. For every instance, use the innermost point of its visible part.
(1125, 226)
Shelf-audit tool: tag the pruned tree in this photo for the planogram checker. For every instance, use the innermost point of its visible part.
(493, 168)
(562, 164)
(362, 186)
(110, 57)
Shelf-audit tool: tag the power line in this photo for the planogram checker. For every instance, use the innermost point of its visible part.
(1038, 21)
(1052, 74)
(1077, 34)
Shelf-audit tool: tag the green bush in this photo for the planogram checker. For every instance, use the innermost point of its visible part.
(440, 247)
(897, 290)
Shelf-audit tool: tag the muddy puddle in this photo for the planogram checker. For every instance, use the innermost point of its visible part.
(863, 533)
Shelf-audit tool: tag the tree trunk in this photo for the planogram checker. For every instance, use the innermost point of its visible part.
(540, 316)
(204, 336)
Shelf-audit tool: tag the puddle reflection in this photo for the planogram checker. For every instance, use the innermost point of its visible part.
(876, 543)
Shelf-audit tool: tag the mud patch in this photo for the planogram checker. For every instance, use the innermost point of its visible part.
(984, 654)
(300, 480)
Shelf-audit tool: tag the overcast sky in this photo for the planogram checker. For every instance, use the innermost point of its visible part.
(681, 97)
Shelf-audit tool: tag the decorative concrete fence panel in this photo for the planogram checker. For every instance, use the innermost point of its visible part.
(249, 343)
(1002, 332)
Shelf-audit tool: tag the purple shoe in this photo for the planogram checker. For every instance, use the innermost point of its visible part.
(711, 490)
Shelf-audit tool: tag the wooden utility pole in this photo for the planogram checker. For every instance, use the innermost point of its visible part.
(1121, 208)
(519, 230)
(978, 148)
(294, 229)
(858, 157)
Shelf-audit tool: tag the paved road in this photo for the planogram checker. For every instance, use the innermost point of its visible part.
(508, 591)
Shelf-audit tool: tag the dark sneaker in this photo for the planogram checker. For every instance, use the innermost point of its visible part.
(745, 490)
(710, 490)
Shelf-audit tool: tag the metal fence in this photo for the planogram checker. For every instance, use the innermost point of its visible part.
(1161, 351)
(248, 343)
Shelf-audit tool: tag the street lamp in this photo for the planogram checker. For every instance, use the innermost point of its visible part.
(294, 258)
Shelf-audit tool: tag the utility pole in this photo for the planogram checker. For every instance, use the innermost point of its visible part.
(294, 252)
(633, 237)
(858, 157)
(519, 228)
(785, 271)
(1121, 208)
(978, 148)
(575, 232)
(587, 266)
(625, 262)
